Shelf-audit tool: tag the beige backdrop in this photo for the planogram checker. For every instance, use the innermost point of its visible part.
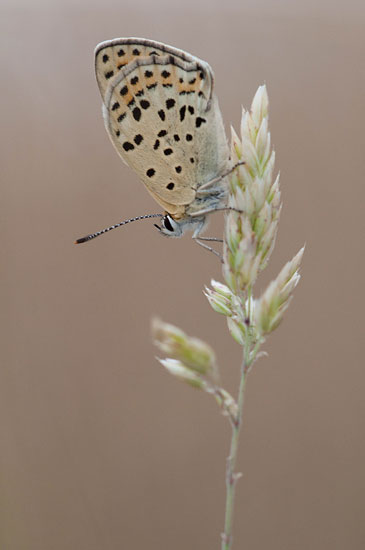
(100, 448)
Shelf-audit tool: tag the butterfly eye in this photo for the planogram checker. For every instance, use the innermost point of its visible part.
(167, 224)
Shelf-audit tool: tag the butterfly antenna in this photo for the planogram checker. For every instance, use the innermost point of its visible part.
(94, 235)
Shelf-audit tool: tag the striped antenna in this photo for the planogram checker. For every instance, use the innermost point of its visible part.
(93, 235)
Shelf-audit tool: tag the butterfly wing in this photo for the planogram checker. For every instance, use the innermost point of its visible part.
(162, 117)
(113, 55)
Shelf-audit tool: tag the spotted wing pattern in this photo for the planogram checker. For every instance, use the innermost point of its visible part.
(162, 117)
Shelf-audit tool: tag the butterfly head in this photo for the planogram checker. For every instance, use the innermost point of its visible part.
(171, 227)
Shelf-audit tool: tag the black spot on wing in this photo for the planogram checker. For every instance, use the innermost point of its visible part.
(127, 146)
(137, 113)
(199, 121)
(182, 112)
(138, 139)
(170, 103)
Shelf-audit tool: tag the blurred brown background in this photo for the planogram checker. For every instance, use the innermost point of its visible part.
(100, 448)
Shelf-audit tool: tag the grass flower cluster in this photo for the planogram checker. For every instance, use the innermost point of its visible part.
(251, 224)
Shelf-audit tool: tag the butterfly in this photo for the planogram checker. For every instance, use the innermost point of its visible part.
(163, 118)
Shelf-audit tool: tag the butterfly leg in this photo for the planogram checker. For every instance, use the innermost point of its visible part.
(215, 239)
(196, 239)
(219, 209)
(219, 178)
